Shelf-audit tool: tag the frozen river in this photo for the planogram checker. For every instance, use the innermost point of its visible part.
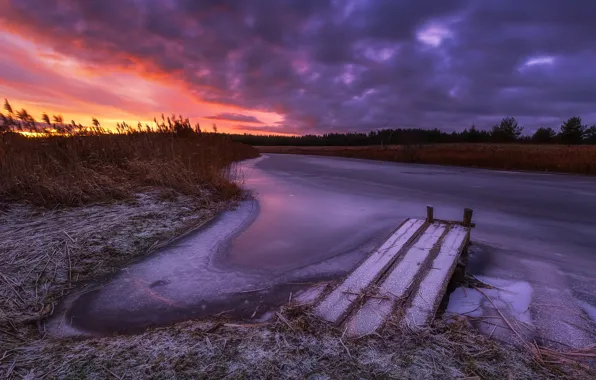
(315, 218)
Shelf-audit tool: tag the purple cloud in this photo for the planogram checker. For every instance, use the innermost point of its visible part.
(335, 65)
(235, 117)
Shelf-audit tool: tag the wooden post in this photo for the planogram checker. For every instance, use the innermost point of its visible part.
(429, 214)
(468, 217)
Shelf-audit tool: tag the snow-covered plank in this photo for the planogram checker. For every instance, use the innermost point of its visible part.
(432, 288)
(396, 285)
(337, 303)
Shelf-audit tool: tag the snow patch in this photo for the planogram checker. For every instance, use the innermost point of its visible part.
(512, 298)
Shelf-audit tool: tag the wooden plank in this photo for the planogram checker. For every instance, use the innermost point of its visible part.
(468, 217)
(396, 285)
(338, 303)
(432, 288)
(429, 214)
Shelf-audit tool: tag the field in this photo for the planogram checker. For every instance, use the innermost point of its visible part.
(579, 159)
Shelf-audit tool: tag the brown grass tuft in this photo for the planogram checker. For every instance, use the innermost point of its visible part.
(73, 170)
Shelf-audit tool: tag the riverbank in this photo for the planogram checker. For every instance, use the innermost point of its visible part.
(578, 159)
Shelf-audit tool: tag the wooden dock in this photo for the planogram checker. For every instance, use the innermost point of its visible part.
(404, 279)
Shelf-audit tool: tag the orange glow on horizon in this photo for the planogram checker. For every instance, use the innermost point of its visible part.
(57, 84)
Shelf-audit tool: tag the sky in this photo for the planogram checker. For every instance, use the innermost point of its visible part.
(302, 66)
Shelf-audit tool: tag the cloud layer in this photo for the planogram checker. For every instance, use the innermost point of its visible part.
(339, 65)
(235, 117)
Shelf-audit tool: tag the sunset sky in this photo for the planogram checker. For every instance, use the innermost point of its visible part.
(302, 66)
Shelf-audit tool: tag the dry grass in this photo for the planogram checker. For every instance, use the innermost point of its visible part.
(73, 170)
(554, 158)
(45, 253)
(292, 346)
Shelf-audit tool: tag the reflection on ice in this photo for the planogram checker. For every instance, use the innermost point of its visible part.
(289, 233)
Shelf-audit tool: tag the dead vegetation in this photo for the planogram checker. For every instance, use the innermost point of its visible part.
(89, 166)
(293, 345)
(45, 253)
(74, 170)
(580, 159)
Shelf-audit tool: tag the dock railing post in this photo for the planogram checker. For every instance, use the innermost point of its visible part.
(429, 214)
(468, 217)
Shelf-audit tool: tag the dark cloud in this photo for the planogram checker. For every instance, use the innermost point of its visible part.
(269, 129)
(343, 65)
(235, 117)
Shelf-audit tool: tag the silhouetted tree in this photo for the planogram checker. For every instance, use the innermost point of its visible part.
(507, 131)
(572, 131)
(473, 135)
(590, 135)
(544, 135)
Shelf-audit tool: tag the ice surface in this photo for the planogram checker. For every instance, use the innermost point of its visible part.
(589, 309)
(342, 208)
(300, 224)
(432, 287)
(513, 298)
(337, 303)
(310, 295)
(396, 285)
(556, 317)
(291, 233)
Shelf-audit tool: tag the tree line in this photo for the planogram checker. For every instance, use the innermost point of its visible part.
(572, 131)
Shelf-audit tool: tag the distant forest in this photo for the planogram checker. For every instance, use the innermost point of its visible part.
(572, 131)
(508, 130)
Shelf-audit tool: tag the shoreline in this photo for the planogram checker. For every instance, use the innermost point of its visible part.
(292, 344)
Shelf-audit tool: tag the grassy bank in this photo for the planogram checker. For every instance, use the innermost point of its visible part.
(552, 158)
(293, 345)
(80, 205)
(74, 170)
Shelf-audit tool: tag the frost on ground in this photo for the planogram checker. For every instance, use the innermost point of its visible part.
(43, 253)
(291, 346)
